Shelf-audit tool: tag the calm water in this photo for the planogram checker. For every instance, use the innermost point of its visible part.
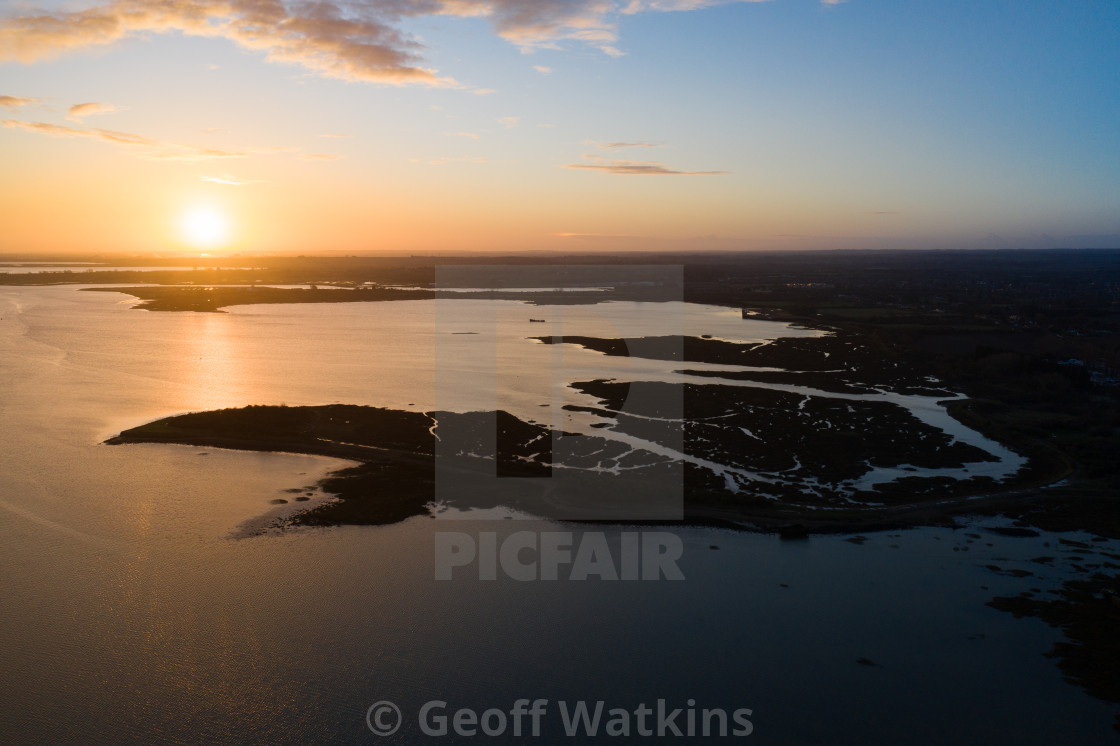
(131, 615)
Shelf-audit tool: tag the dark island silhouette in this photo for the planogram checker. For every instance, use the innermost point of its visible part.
(396, 451)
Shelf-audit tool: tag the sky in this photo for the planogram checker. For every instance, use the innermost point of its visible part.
(416, 126)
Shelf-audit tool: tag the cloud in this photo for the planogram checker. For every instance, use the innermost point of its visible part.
(621, 145)
(17, 102)
(639, 6)
(635, 168)
(153, 149)
(295, 152)
(78, 111)
(334, 38)
(508, 122)
(356, 40)
(471, 135)
(162, 150)
(483, 91)
(335, 137)
(542, 69)
(599, 236)
(230, 181)
(444, 161)
(543, 24)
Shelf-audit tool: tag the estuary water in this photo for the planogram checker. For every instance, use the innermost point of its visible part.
(132, 613)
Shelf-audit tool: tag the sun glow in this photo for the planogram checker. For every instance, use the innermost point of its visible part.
(204, 228)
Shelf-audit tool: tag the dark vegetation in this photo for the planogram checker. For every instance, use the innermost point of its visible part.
(805, 444)
(1033, 337)
(216, 297)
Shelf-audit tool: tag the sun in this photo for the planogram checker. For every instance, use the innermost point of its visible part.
(204, 227)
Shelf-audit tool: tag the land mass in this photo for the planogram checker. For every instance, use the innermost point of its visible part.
(396, 454)
(396, 476)
(215, 298)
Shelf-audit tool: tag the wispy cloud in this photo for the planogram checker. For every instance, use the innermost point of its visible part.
(17, 102)
(348, 39)
(334, 38)
(445, 161)
(483, 91)
(635, 168)
(230, 181)
(621, 145)
(508, 122)
(544, 24)
(336, 137)
(149, 148)
(470, 135)
(294, 152)
(78, 111)
(598, 236)
(542, 69)
(676, 6)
